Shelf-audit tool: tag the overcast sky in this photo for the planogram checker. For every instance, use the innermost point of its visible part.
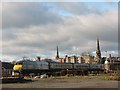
(35, 28)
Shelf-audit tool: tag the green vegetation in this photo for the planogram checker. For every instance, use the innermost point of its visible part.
(104, 77)
(110, 76)
(113, 76)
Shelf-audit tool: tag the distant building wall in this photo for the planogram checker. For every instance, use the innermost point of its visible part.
(0, 69)
(62, 60)
(74, 59)
(87, 59)
(67, 59)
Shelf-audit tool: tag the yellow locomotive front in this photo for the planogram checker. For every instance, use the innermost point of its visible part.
(17, 69)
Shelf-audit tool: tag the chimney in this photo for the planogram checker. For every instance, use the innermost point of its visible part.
(38, 58)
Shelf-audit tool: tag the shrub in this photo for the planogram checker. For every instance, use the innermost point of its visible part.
(117, 75)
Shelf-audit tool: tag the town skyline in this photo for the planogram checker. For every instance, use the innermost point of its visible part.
(58, 56)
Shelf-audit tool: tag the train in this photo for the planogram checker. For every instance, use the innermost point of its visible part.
(27, 67)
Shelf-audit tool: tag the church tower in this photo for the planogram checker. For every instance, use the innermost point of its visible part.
(98, 52)
(57, 56)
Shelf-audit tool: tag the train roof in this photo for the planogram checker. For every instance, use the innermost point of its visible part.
(23, 61)
(60, 62)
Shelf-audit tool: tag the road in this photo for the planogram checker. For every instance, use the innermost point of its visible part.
(71, 82)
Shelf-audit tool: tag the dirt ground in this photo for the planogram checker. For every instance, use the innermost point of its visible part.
(65, 82)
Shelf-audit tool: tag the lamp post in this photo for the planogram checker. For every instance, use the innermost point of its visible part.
(106, 55)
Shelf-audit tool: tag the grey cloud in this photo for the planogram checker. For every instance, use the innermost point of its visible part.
(27, 14)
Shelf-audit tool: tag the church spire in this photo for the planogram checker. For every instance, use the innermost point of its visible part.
(57, 56)
(98, 52)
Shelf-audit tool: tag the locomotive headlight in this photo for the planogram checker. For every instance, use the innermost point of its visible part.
(17, 67)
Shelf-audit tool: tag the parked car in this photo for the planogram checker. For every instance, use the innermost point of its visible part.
(44, 76)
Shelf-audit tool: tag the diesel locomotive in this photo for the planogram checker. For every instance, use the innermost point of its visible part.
(27, 67)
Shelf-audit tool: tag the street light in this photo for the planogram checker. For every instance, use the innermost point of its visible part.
(106, 55)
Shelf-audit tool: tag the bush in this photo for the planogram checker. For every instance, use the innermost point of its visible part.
(117, 75)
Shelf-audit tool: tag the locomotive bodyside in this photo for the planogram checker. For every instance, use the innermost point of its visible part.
(29, 65)
(79, 66)
(96, 66)
(42, 65)
(60, 66)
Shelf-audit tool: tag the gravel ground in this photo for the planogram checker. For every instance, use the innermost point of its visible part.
(64, 82)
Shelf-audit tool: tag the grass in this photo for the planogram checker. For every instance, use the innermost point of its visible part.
(111, 76)
(105, 78)
(101, 77)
